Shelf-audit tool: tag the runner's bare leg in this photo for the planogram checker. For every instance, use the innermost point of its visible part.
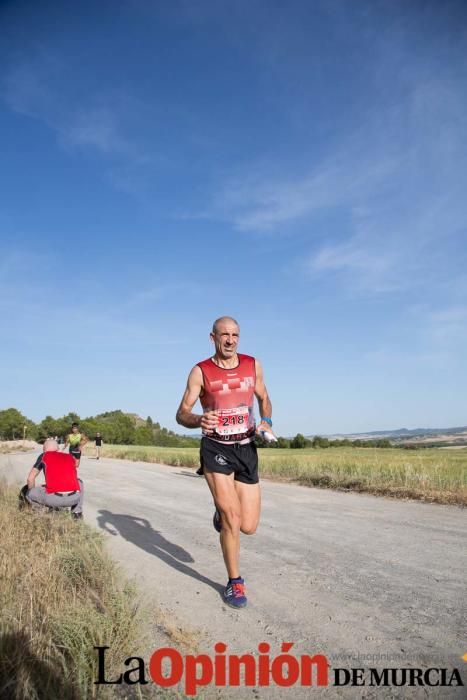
(227, 502)
(239, 505)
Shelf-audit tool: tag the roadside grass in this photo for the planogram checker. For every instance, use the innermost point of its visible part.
(60, 595)
(173, 456)
(433, 475)
(7, 446)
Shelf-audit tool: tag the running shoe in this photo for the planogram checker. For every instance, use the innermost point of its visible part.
(216, 521)
(234, 594)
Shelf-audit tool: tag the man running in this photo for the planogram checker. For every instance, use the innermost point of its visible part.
(226, 385)
(76, 442)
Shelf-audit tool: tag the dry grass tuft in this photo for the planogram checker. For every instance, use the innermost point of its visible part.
(184, 639)
(60, 596)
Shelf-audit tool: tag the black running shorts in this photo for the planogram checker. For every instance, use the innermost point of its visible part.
(75, 453)
(240, 460)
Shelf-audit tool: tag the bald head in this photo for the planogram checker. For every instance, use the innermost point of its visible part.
(225, 335)
(223, 320)
(50, 445)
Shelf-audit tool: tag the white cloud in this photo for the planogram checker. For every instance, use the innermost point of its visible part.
(34, 89)
(368, 269)
(95, 128)
(398, 183)
(259, 203)
(25, 85)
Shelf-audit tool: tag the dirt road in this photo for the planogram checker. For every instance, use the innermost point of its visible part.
(347, 575)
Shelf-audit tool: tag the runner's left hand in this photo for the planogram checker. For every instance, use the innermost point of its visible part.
(263, 426)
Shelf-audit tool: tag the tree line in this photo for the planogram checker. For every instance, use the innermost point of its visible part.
(300, 442)
(119, 428)
(115, 427)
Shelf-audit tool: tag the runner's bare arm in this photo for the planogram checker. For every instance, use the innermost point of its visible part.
(185, 415)
(83, 441)
(264, 402)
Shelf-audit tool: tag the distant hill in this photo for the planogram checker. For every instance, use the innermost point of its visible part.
(126, 428)
(137, 420)
(454, 436)
(399, 432)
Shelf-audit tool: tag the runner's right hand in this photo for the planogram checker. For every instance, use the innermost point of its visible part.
(209, 421)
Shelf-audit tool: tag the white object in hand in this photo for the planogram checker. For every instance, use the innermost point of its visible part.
(269, 437)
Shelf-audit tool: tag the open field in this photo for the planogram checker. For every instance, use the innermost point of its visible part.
(61, 594)
(428, 474)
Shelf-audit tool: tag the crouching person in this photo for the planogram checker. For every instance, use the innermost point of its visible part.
(62, 488)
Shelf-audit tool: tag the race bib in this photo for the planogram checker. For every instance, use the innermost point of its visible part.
(233, 421)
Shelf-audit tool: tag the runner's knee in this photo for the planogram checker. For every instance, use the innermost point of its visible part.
(249, 529)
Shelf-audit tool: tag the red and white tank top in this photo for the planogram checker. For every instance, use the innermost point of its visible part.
(231, 392)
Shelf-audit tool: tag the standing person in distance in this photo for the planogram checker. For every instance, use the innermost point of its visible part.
(226, 385)
(98, 444)
(76, 441)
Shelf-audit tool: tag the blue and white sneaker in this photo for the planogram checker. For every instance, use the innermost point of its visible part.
(234, 594)
(216, 521)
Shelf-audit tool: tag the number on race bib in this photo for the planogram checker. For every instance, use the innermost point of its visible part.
(233, 421)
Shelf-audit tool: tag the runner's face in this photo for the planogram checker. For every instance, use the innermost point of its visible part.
(226, 339)
(74, 429)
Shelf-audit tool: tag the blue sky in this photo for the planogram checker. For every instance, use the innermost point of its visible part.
(301, 166)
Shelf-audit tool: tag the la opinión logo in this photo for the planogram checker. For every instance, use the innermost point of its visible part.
(167, 668)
